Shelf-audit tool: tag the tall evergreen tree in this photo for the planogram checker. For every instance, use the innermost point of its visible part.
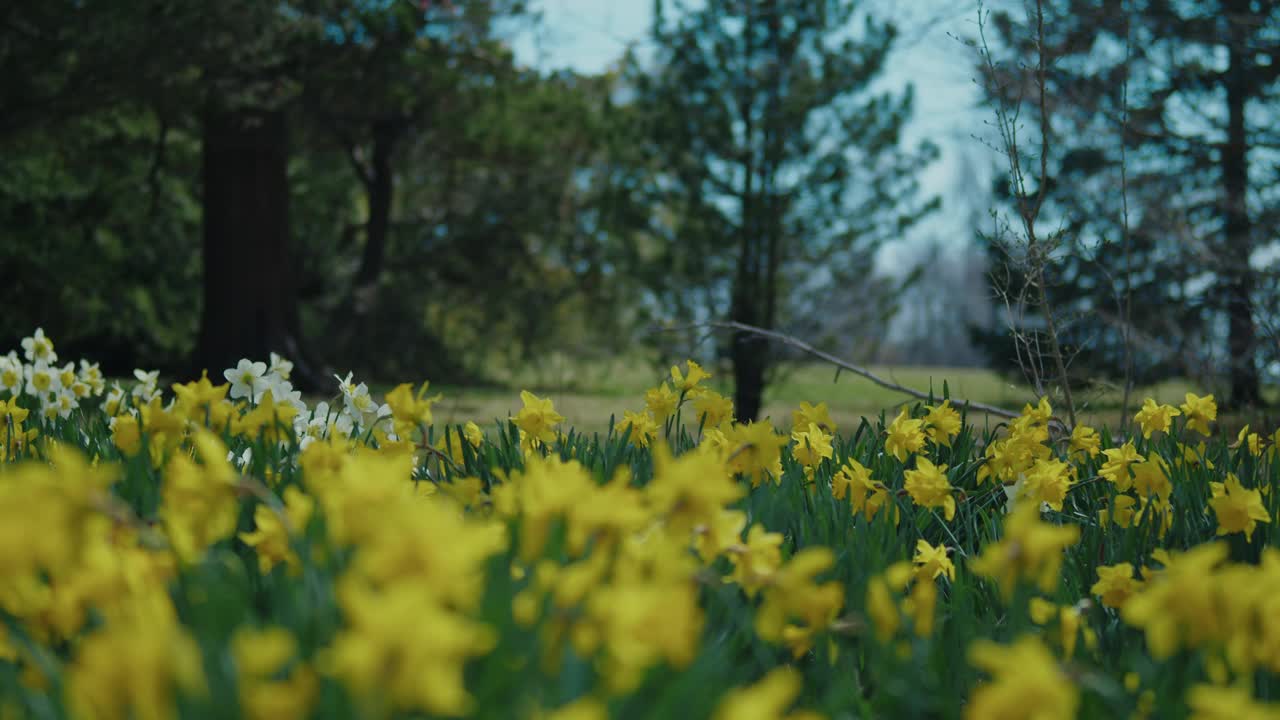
(1159, 108)
(781, 167)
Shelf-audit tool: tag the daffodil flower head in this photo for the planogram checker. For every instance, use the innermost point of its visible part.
(66, 375)
(768, 698)
(1116, 584)
(114, 401)
(12, 374)
(91, 375)
(1155, 418)
(1031, 550)
(39, 348)
(712, 409)
(661, 402)
(640, 427)
(42, 380)
(66, 401)
(1238, 509)
(538, 417)
(1021, 673)
(280, 366)
(1040, 413)
(932, 562)
(145, 391)
(1116, 469)
(942, 423)
(928, 486)
(1085, 441)
(247, 379)
(808, 414)
(812, 446)
(689, 381)
(905, 435)
(1046, 483)
(1199, 411)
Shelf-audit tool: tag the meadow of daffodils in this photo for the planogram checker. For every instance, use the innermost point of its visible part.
(222, 548)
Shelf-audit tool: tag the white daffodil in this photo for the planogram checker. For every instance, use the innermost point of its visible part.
(323, 422)
(42, 380)
(1015, 492)
(39, 347)
(11, 374)
(282, 391)
(66, 401)
(345, 384)
(147, 377)
(355, 397)
(317, 421)
(145, 391)
(301, 421)
(247, 379)
(114, 400)
(344, 424)
(49, 409)
(280, 366)
(90, 374)
(67, 375)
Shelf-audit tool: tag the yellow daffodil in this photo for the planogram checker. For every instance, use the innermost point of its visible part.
(1155, 418)
(904, 436)
(538, 417)
(1237, 508)
(928, 487)
(1200, 411)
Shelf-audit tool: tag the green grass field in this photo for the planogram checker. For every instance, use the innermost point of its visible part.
(587, 394)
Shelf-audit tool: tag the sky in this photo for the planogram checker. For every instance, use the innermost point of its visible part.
(590, 35)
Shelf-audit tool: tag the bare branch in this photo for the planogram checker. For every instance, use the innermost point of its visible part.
(1038, 250)
(842, 364)
(1127, 308)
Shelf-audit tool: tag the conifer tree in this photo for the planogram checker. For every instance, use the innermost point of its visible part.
(1177, 96)
(781, 166)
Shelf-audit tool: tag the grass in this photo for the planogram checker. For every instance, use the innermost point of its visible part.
(587, 394)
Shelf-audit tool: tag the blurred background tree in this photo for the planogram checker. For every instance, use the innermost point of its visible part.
(781, 167)
(1179, 97)
(384, 186)
(189, 183)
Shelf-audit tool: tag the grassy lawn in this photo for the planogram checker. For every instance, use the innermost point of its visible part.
(587, 394)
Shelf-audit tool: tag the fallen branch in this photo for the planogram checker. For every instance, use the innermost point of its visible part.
(844, 365)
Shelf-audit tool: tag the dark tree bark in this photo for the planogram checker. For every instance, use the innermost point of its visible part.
(250, 306)
(750, 358)
(381, 188)
(1237, 278)
(755, 291)
(749, 364)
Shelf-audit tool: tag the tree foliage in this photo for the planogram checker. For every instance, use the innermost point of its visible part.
(237, 177)
(1161, 182)
(781, 165)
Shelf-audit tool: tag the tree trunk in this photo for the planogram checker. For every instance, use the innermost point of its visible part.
(749, 355)
(381, 192)
(250, 308)
(1238, 280)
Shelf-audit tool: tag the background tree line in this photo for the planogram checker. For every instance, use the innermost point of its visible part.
(1160, 186)
(379, 185)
